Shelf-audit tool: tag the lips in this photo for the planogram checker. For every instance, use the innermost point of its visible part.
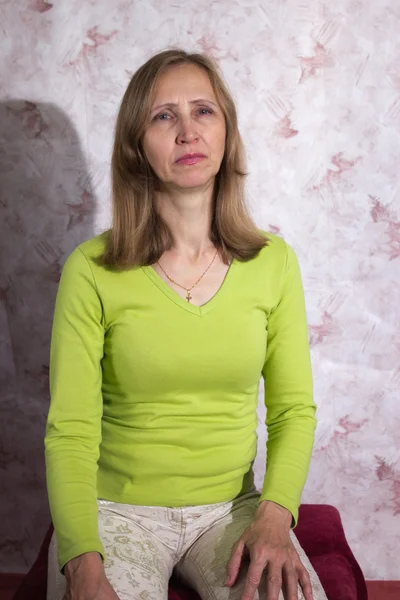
(188, 157)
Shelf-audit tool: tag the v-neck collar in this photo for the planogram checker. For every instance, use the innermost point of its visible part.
(175, 297)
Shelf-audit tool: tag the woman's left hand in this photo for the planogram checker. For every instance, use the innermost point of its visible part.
(267, 541)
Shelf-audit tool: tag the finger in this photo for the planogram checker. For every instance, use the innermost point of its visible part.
(274, 581)
(305, 582)
(303, 577)
(233, 566)
(290, 582)
(253, 579)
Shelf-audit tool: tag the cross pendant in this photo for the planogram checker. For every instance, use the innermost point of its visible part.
(188, 297)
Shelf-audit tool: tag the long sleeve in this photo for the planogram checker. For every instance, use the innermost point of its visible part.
(73, 428)
(289, 401)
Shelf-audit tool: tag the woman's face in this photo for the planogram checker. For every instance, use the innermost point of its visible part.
(185, 118)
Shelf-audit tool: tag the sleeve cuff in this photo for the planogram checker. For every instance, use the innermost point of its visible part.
(282, 501)
(79, 549)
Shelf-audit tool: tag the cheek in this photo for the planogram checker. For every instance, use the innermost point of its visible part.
(220, 133)
(153, 149)
(220, 140)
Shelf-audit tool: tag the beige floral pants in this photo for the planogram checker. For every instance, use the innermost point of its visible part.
(145, 544)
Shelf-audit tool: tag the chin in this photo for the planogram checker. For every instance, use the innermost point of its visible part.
(194, 179)
(193, 182)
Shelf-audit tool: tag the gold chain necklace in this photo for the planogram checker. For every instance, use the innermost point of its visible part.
(188, 296)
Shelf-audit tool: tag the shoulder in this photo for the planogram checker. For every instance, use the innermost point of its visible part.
(81, 263)
(277, 261)
(277, 249)
(93, 247)
(87, 251)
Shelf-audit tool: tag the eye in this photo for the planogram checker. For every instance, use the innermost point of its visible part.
(164, 114)
(157, 117)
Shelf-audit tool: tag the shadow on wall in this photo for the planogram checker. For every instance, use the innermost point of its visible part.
(47, 207)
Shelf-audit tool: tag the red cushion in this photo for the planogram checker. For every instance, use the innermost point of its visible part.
(320, 533)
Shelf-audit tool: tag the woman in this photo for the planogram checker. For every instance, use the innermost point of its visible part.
(159, 341)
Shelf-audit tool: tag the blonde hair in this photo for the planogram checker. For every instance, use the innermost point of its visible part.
(139, 236)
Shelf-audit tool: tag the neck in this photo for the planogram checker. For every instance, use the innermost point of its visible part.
(188, 216)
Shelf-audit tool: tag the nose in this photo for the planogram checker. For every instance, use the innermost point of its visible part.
(187, 131)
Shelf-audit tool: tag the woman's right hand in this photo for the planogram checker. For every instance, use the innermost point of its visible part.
(86, 579)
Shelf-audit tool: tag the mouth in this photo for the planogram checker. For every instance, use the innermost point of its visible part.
(190, 159)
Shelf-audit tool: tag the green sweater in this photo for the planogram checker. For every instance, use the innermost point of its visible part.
(153, 399)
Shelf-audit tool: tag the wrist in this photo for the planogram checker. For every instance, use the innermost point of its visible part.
(89, 560)
(268, 509)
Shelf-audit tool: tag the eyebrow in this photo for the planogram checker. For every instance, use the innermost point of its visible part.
(190, 102)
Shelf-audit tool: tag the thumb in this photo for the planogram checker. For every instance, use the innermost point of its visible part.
(234, 562)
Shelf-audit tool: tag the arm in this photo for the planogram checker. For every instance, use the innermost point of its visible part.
(289, 401)
(73, 428)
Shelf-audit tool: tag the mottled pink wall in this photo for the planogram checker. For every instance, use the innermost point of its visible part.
(317, 86)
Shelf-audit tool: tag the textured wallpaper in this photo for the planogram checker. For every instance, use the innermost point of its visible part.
(317, 87)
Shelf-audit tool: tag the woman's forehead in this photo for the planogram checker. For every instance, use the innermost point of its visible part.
(183, 81)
